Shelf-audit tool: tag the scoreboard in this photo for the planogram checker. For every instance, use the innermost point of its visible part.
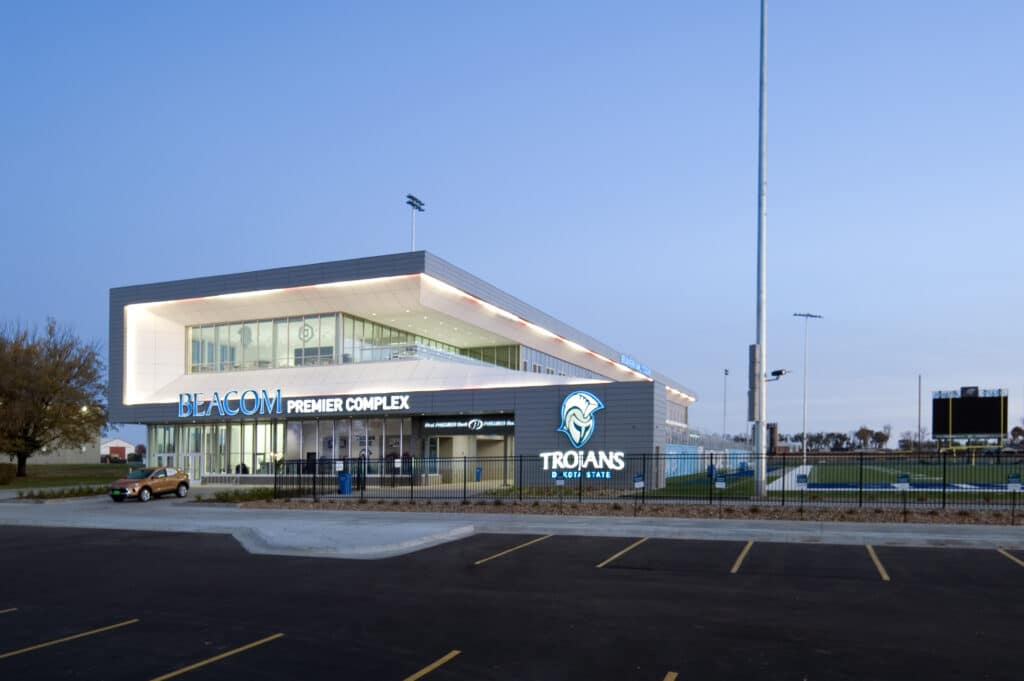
(969, 411)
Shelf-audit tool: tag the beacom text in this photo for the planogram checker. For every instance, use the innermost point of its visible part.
(253, 402)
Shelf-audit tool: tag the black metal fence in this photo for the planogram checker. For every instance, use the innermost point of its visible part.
(930, 481)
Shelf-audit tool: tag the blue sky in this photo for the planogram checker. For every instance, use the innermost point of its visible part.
(597, 160)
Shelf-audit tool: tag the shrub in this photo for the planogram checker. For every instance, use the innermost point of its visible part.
(497, 502)
(754, 510)
(616, 507)
(234, 496)
(8, 471)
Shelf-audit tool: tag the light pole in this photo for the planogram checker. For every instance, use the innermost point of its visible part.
(725, 388)
(416, 206)
(759, 357)
(807, 318)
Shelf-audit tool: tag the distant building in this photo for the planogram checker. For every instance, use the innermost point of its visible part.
(87, 453)
(115, 451)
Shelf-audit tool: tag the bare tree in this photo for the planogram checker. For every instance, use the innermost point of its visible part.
(863, 434)
(51, 391)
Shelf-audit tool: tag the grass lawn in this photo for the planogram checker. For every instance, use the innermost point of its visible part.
(886, 471)
(68, 474)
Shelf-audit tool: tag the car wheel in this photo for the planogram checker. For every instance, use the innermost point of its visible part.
(145, 494)
(182, 491)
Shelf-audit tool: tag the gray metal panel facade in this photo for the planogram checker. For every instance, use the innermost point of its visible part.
(624, 424)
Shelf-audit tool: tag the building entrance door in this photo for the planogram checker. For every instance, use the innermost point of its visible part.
(192, 463)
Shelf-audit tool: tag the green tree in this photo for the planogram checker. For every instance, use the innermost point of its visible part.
(52, 392)
(864, 435)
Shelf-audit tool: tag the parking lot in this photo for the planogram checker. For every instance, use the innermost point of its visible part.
(95, 604)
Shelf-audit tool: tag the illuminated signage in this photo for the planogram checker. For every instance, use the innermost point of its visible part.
(231, 403)
(337, 405)
(578, 416)
(253, 402)
(578, 424)
(473, 424)
(635, 365)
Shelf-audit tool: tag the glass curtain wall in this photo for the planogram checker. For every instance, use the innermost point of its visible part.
(316, 340)
(244, 448)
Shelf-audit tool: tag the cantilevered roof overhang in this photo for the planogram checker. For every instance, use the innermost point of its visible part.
(416, 292)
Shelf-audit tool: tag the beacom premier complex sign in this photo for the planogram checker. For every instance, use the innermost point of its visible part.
(252, 402)
(578, 425)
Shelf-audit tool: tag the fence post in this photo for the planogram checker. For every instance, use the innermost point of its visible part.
(362, 477)
(579, 486)
(519, 478)
(412, 476)
(465, 469)
(860, 482)
(276, 463)
(783, 479)
(316, 491)
(643, 475)
(944, 481)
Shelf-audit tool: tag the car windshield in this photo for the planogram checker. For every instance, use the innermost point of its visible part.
(139, 473)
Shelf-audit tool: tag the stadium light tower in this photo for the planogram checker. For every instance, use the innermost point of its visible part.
(415, 206)
(807, 317)
(758, 356)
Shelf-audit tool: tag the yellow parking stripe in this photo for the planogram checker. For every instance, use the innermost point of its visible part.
(433, 665)
(1012, 557)
(514, 548)
(671, 676)
(622, 552)
(216, 658)
(4, 612)
(67, 638)
(878, 563)
(739, 559)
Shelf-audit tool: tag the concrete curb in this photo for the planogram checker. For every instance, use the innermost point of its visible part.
(254, 541)
(382, 534)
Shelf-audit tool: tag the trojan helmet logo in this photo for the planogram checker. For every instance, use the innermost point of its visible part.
(578, 417)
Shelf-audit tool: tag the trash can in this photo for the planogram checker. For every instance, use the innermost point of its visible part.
(344, 483)
(479, 473)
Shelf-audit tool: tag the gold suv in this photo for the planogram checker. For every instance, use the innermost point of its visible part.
(145, 483)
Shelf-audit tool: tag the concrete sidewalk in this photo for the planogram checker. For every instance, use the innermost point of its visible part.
(380, 534)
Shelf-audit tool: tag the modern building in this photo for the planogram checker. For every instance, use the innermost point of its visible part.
(386, 359)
